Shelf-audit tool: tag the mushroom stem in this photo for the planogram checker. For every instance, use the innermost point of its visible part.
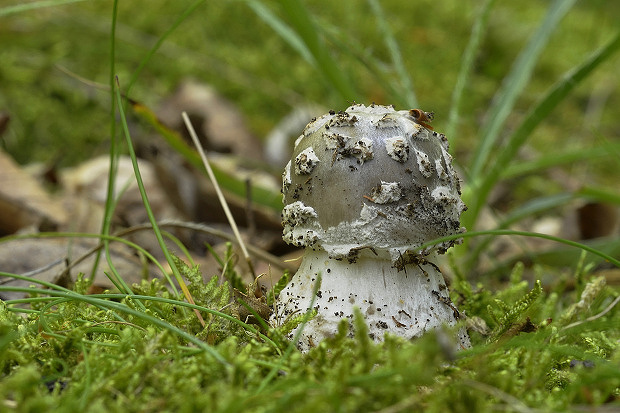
(406, 302)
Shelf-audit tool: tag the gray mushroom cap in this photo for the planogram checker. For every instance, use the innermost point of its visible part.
(370, 178)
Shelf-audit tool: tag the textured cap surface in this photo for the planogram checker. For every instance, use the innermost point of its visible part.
(370, 178)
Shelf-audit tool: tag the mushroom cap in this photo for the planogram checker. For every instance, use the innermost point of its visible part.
(370, 179)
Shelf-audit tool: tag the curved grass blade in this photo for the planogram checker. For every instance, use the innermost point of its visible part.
(547, 161)
(120, 307)
(363, 55)
(147, 206)
(96, 248)
(397, 60)
(18, 8)
(134, 77)
(308, 31)
(479, 191)
(282, 29)
(535, 206)
(574, 244)
(466, 67)
(513, 85)
(110, 202)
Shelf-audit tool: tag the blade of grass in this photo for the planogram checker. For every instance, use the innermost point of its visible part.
(18, 8)
(547, 161)
(498, 232)
(95, 248)
(478, 192)
(147, 206)
(600, 195)
(533, 207)
(134, 77)
(110, 201)
(303, 38)
(308, 31)
(47, 292)
(44, 283)
(99, 302)
(114, 276)
(559, 257)
(255, 251)
(176, 241)
(282, 29)
(513, 85)
(467, 65)
(348, 45)
(66, 295)
(397, 60)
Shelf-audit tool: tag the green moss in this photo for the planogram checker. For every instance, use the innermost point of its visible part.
(131, 366)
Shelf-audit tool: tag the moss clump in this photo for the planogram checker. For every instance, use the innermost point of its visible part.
(75, 355)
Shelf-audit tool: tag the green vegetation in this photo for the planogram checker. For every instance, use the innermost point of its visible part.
(501, 77)
(534, 350)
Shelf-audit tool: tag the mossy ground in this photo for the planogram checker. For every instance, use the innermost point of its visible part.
(533, 350)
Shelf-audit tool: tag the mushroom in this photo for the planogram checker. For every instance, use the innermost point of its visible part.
(365, 188)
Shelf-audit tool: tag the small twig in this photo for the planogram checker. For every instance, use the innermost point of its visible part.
(249, 211)
(36, 271)
(218, 191)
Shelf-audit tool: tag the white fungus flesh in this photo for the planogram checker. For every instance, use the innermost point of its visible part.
(365, 188)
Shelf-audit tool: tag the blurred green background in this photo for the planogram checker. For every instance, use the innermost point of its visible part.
(53, 115)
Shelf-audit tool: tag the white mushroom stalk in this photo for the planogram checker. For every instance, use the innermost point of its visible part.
(365, 188)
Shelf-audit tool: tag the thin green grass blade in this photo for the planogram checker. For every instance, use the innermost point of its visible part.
(397, 60)
(466, 67)
(478, 192)
(536, 206)
(114, 276)
(110, 238)
(53, 298)
(498, 232)
(46, 284)
(299, 17)
(600, 195)
(559, 158)
(513, 85)
(110, 201)
(134, 77)
(176, 241)
(19, 8)
(540, 205)
(562, 256)
(529, 209)
(216, 313)
(282, 29)
(99, 302)
(48, 287)
(348, 45)
(147, 205)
